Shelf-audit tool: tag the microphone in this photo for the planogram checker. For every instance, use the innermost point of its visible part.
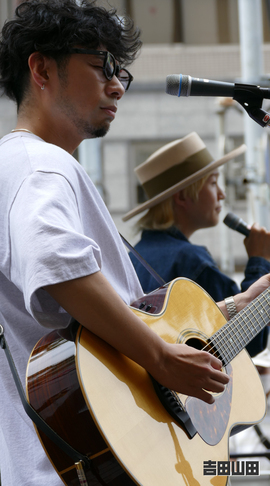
(184, 85)
(249, 96)
(237, 224)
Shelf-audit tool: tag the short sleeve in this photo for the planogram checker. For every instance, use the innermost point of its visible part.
(48, 245)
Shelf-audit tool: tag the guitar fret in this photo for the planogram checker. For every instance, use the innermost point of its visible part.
(239, 331)
(220, 341)
(244, 336)
(263, 311)
(247, 330)
(240, 335)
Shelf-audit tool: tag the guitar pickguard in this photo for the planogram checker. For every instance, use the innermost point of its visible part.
(211, 420)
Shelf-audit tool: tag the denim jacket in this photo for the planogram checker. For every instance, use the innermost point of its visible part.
(172, 255)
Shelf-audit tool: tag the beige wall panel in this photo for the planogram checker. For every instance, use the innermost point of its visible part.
(199, 21)
(155, 19)
(233, 22)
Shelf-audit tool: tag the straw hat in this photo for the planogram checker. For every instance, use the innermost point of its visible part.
(175, 166)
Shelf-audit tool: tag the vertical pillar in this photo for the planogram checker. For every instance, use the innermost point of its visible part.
(251, 39)
(90, 159)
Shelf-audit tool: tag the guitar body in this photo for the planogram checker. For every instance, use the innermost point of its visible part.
(105, 405)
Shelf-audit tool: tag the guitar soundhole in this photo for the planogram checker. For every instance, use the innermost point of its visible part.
(199, 342)
(196, 343)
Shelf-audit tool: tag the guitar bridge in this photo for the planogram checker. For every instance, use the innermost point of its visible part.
(175, 408)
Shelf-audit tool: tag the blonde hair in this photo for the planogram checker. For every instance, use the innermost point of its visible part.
(161, 216)
(193, 190)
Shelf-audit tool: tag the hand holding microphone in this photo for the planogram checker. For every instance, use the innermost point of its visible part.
(257, 240)
(237, 224)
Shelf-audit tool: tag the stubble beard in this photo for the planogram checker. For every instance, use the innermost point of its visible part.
(84, 128)
(96, 132)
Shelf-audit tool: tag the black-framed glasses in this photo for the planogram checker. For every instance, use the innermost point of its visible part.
(110, 68)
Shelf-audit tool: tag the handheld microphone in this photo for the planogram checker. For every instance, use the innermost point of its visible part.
(237, 224)
(249, 96)
(184, 85)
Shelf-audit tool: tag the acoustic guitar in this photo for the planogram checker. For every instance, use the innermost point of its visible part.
(135, 431)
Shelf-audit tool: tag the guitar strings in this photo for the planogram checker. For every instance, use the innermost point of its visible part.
(225, 336)
(226, 340)
(246, 323)
(232, 330)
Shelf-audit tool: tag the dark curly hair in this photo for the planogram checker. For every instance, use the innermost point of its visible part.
(52, 27)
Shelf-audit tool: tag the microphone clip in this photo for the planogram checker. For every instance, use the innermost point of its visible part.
(250, 98)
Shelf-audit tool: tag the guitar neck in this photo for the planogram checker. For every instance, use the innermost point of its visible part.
(241, 329)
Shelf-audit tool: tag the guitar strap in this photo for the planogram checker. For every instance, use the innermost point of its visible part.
(143, 262)
(80, 460)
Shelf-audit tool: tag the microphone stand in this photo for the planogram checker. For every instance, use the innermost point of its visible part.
(251, 100)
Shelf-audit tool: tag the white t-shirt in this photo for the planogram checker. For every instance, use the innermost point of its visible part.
(54, 227)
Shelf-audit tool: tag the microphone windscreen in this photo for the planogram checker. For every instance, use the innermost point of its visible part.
(231, 220)
(237, 224)
(172, 84)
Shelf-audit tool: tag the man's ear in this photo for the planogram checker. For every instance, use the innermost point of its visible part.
(39, 68)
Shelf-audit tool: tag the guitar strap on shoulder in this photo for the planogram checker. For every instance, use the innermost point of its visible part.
(143, 262)
(80, 460)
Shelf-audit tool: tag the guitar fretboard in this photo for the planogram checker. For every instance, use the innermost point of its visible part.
(239, 331)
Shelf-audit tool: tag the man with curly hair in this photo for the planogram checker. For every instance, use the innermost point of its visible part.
(64, 63)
